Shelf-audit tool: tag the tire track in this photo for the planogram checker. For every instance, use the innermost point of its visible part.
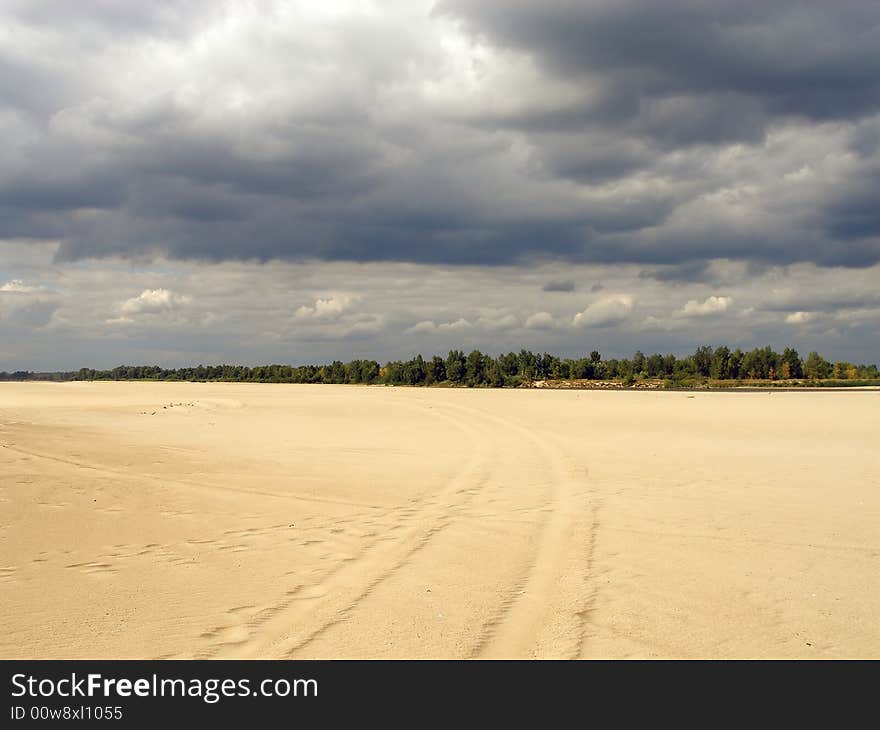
(309, 611)
(545, 612)
(409, 520)
(530, 620)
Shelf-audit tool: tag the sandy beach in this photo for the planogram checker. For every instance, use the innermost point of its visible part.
(147, 520)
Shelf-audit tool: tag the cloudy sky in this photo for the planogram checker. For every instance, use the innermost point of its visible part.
(188, 181)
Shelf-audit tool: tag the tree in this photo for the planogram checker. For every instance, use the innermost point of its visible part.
(703, 360)
(817, 367)
(494, 376)
(638, 363)
(528, 365)
(685, 366)
(551, 367)
(734, 364)
(751, 365)
(455, 363)
(508, 364)
(335, 373)
(435, 370)
(414, 371)
(654, 366)
(718, 368)
(581, 369)
(844, 370)
(474, 368)
(791, 365)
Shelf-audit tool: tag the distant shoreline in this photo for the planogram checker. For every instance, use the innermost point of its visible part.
(707, 367)
(830, 386)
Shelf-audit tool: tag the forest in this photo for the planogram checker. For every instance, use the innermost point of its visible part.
(706, 366)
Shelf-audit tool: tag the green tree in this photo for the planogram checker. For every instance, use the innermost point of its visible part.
(734, 364)
(582, 369)
(703, 360)
(718, 368)
(792, 367)
(494, 376)
(528, 365)
(817, 367)
(474, 368)
(508, 364)
(369, 371)
(414, 371)
(654, 366)
(435, 370)
(639, 363)
(455, 363)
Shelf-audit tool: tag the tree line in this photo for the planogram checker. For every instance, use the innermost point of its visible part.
(508, 370)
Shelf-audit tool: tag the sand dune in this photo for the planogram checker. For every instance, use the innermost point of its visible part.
(222, 520)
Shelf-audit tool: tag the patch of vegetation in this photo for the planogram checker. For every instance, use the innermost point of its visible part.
(706, 368)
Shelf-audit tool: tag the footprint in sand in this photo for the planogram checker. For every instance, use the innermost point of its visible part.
(54, 505)
(94, 568)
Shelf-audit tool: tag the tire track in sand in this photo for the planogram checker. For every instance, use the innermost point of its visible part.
(547, 611)
(308, 611)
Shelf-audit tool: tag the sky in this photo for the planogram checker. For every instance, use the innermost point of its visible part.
(258, 181)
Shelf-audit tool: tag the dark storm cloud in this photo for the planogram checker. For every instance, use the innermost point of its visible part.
(717, 273)
(52, 195)
(854, 211)
(597, 159)
(559, 285)
(811, 58)
(664, 134)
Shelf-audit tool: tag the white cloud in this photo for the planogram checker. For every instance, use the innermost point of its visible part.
(605, 311)
(540, 320)
(421, 328)
(652, 322)
(334, 317)
(17, 286)
(459, 324)
(331, 308)
(370, 325)
(500, 322)
(710, 305)
(154, 301)
(487, 322)
(119, 320)
(799, 317)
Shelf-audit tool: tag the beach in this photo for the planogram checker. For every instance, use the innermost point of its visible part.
(224, 520)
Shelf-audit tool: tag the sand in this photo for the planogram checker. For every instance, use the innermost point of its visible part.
(151, 520)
